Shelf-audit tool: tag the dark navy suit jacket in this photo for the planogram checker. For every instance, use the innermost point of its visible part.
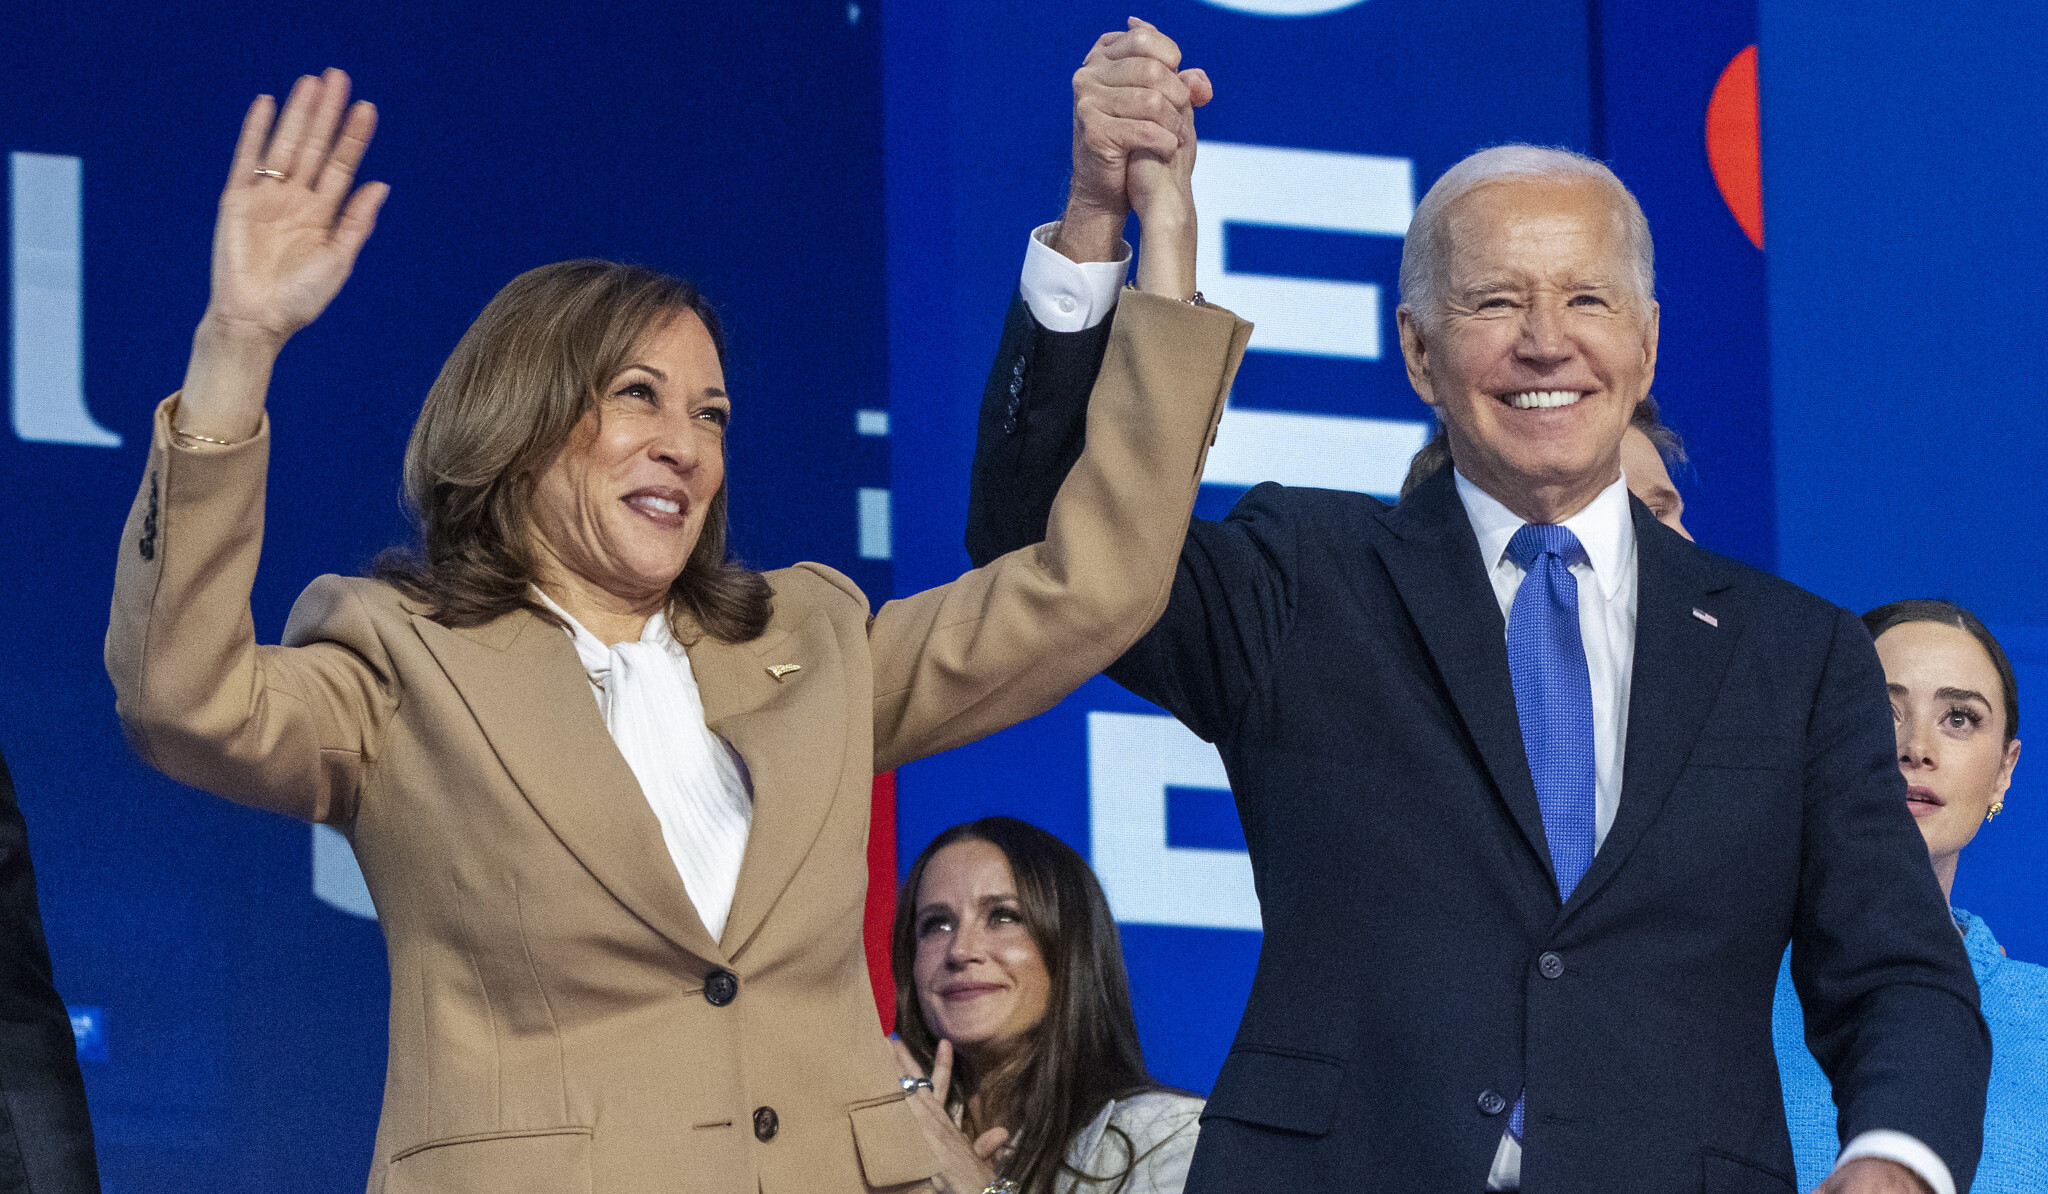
(1349, 661)
(45, 1131)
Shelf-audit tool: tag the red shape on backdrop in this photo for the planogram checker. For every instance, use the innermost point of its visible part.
(1734, 149)
(881, 910)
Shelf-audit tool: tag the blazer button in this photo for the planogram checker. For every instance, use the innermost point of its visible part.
(1492, 1103)
(766, 1124)
(1550, 965)
(720, 988)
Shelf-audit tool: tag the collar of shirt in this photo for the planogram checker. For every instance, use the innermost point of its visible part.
(1604, 528)
(595, 656)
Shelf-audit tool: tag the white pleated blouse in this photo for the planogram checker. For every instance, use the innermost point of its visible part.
(691, 778)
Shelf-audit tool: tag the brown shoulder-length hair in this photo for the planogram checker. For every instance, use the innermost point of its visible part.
(1085, 1051)
(524, 374)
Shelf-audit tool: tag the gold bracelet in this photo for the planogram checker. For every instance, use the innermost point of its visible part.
(204, 439)
(1197, 301)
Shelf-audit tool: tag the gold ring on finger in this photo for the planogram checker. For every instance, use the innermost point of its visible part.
(266, 172)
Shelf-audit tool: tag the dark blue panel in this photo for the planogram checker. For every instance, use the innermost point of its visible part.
(1908, 223)
(1202, 819)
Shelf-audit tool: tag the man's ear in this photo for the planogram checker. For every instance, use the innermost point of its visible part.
(1415, 352)
(1650, 344)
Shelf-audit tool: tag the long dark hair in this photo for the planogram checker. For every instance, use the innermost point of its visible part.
(1948, 613)
(520, 379)
(1085, 1051)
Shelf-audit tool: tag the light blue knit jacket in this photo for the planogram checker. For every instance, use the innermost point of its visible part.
(2015, 998)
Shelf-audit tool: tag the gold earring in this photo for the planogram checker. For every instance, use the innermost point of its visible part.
(1997, 806)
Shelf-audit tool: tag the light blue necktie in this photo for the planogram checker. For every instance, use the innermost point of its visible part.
(1554, 700)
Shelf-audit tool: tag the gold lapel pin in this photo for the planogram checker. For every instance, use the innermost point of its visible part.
(779, 670)
(1706, 617)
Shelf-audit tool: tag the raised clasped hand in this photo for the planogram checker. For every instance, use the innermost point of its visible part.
(1134, 146)
(965, 1167)
(290, 225)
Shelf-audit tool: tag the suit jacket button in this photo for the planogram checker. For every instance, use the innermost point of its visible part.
(1550, 965)
(766, 1124)
(1492, 1103)
(720, 988)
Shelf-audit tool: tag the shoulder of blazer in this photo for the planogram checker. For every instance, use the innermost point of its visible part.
(808, 589)
(326, 608)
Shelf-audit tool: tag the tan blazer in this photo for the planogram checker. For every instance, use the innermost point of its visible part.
(560, 1019)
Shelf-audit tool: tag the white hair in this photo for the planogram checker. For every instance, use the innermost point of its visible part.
(1426, 250)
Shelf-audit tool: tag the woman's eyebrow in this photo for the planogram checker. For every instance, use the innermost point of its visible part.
(1961, 694)
(658, 374)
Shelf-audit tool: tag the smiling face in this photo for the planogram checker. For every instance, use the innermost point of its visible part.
(982, 982)
(1948, 707)
(1541, 346)
(618, 511)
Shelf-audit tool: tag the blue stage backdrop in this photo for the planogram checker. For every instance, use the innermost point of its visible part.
(242, 1017)
(1908, 222)
(853, 182)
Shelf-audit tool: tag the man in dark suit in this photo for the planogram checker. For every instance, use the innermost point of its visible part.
(45, 1134)
(1536, 791)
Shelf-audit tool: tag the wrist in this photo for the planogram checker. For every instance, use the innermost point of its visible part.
(1089, 233)
(233, 338)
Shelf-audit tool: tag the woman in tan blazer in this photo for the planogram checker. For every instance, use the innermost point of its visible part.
(561, 1018)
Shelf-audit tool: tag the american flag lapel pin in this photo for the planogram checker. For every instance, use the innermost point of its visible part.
(1706, 617)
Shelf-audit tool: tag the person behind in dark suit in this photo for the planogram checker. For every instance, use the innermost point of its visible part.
(1554, 785)
(45, 1130)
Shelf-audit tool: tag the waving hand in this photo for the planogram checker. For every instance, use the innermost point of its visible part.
(291, 223)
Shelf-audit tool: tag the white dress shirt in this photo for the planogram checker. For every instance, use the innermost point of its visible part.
(1070, 296)
(691, 779)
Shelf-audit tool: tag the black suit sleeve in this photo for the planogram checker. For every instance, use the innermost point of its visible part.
(1232, 598)
(1034, 415)
(1890, 1003)
(45, 1132)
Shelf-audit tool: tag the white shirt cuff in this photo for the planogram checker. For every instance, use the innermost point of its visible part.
(1065, 295)
(1907, 1151)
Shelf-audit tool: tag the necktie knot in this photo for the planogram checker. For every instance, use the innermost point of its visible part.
(1536, 539)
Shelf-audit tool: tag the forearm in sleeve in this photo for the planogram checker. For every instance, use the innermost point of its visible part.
(1009, 639)
(278, 728)
(1891, 1006)
(1034, 408)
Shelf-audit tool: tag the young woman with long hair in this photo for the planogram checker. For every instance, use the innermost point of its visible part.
(1013, 1014)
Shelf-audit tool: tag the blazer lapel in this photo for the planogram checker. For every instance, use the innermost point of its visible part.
(1680, 659)
(791, 732)
(1434, 562)
(524, 685)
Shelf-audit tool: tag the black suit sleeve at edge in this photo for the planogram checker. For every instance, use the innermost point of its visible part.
(1232, 600)
(1034, 416)
(1890, 1002)
(45, 1131)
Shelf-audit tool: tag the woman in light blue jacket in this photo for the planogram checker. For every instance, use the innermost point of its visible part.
(1956, 706)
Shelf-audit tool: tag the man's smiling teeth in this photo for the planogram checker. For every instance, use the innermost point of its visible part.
(661, 505)
(1537, 399)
